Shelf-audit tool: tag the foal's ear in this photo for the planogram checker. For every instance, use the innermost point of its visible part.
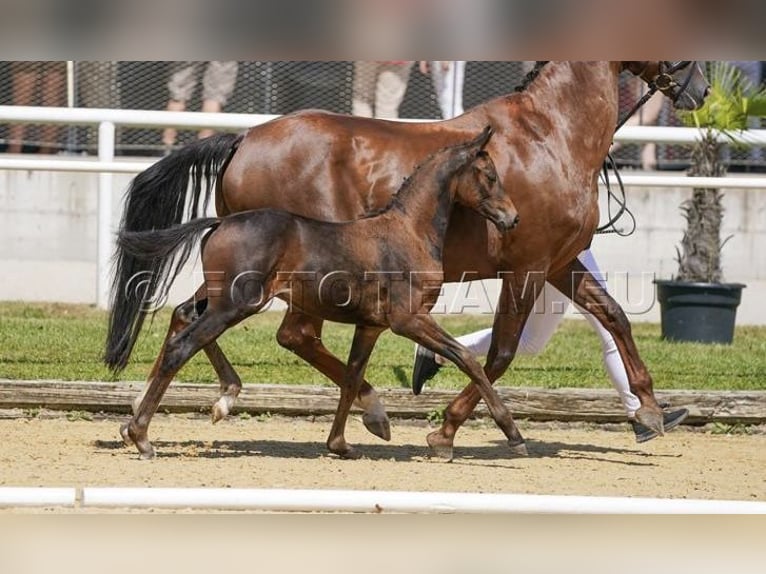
(483, 138)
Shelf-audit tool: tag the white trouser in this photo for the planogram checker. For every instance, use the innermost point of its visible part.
(447, 78)
(540, 327)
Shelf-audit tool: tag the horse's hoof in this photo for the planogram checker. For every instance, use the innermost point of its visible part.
(126, 435)
(519, 449)
(217, 413)
(440, 446)
(378, 424)
(222, 408)
(343, 450)
(652, 419)
(350, 454)
(147, 454)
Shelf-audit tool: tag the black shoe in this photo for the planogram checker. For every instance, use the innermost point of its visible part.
(670, 421)
(424, 369)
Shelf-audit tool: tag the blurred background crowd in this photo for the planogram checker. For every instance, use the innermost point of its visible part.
(404, 89)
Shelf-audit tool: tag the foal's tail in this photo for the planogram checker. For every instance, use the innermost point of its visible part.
(168, 250)
(156, 199)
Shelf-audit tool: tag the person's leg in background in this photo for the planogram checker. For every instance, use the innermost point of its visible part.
(217, 86)
(363, 88)
(23, 83)
(447, 78)
(181, 86)
(53, 93)
(390, 88)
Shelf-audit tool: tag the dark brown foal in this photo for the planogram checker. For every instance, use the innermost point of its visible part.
(381, 271)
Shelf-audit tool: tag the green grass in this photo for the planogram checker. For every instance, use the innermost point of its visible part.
(65, 342)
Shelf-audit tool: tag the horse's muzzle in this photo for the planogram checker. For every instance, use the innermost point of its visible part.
(505, 224)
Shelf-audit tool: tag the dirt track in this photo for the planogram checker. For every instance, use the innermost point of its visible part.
(279, 452)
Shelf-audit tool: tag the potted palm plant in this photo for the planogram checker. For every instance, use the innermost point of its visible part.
(697, 305)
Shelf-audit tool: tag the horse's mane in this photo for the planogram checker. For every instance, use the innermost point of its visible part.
(530, 77)
(406, 184)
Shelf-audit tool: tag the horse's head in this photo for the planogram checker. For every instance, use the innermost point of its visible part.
(683, 82)
(479, 188)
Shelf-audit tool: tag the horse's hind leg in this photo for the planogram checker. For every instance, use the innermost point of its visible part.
(302, 334)
(361, 348)
(175, 353)
(422, 329)
(577, 283)
(183, 315)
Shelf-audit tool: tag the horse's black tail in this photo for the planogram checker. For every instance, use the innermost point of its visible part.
(157, 199)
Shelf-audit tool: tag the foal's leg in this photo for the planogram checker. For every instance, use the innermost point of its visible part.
(515, 303)
(361, 348)
(176, 352)
(588, 293)
(422, 329)
(231, 384)
(302, 334)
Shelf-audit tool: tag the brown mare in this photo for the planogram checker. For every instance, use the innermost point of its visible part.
(375, 272)
(551, 139)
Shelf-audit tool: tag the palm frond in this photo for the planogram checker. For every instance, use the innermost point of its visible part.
(733, 100)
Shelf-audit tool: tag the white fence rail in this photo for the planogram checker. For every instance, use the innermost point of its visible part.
(361, 501)
(105, 166)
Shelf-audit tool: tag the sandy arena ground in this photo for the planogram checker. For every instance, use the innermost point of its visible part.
(281, 452)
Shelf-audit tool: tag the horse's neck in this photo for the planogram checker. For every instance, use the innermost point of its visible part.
(424, 205)
(584, 92)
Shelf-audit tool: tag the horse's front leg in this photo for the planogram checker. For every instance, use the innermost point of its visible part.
(302, 334)
(422, 329)
(575, 281)
(514, 306)
(361, 348)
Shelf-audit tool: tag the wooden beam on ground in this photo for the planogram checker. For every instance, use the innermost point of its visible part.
(595, 405)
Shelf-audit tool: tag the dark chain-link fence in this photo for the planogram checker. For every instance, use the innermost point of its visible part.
(271, 88)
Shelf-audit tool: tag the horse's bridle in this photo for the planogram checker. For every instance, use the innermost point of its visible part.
(664, 82)
(667, 84)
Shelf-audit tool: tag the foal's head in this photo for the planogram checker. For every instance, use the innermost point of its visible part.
(478, 187)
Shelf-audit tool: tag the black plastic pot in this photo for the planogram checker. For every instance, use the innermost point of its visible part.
(698, 312)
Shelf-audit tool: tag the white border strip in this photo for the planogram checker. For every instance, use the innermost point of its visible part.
(37, 496)
(286, 500)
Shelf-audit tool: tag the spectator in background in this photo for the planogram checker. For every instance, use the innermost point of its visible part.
(29, 80)
(379, 87)
(304, 85)
(447, 78)
(97, 87)
(218, 83)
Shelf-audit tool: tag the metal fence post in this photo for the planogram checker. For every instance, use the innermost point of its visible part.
(104, 229)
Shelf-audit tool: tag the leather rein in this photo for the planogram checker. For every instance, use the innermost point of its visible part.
(667, 84)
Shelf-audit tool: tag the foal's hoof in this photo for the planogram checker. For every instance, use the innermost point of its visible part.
(145, 448)
(652, 419)
(519, 449)
(440, 447)
(218, 413)
(378, 424)
(126, 435)
(222, 408)
(344, 450)
(350, 454)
